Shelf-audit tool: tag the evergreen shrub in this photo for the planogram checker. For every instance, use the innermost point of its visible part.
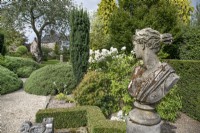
(22, 50)
(79, 42)
(23, 67)
(169, 107)
(94, 90)
(9, 81)
(188, 85)
(190, 44)
(51, 79)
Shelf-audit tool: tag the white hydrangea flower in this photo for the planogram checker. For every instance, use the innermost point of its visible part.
(123, 48)
(91, 60)
(132, 52)
(105, 52)
(91, 52)
(113, 50)
(97, 52)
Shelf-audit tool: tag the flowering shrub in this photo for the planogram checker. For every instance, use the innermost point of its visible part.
(105, 85)
(98, 59)
(116, 67)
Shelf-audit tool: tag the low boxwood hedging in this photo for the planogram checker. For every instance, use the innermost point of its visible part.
(64, 118)
(9, 81)
(90, 116)
(51, 79)
(23, 67)
(188, 85)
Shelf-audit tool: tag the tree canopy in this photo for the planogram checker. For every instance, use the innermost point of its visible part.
(39, 15)
(184, 10)
(137, 14)
(104, 12)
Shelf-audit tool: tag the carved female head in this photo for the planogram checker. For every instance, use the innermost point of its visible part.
(151, 39)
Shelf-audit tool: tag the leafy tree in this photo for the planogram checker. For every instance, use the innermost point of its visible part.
(38, 15)
(196, 16)
(13, 37)
(104, 11)
(190, 44)
(79, 42)
(133, 14)
(98, 39)
(184, 10)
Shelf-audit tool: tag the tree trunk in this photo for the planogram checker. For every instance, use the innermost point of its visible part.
(40, 54)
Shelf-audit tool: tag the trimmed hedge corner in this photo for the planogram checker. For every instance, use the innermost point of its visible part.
(9, 81)
(51, 79)
(90, 116)
(23, 67)
(188, 85)
(64, 118)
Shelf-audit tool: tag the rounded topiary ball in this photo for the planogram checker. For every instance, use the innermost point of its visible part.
(22, 50)
(9, 81)
(51, 79)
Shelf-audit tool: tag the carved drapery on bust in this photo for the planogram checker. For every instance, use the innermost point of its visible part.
(152, 81)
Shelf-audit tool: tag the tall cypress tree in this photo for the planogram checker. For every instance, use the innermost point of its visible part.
(79, 42)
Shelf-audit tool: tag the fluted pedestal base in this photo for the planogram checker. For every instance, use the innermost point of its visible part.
(132, 127)
(143, 119)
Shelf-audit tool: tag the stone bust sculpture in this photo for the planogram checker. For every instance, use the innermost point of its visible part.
(152, 81)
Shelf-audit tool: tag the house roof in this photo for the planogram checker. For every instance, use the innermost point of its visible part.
(50, 38)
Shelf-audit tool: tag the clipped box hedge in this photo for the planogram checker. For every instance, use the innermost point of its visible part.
(90, 116)
(188, 85)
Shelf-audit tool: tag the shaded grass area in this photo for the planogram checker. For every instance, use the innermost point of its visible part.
(49, 62)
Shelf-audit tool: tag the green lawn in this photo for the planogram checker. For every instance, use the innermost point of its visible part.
(49, 62)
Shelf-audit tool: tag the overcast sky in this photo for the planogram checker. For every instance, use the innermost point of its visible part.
(90, 5)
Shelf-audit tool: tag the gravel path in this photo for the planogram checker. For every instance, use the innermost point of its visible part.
(17, 107)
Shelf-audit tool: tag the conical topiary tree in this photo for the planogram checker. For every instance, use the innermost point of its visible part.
(79, 42)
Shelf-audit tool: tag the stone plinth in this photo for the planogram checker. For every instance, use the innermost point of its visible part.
(138, 128)
(61, 58)
(143, 119)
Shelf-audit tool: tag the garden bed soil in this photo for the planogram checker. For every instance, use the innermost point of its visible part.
(53, 103)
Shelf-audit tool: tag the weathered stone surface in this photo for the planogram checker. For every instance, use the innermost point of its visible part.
(45, 127)
(144, 117)
(37, 129)
(137, 128)
(150, 81)
(25, 127)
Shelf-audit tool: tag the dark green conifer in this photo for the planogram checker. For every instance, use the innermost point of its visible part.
(79, 42)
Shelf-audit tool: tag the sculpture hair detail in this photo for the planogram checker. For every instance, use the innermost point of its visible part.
(151, 38)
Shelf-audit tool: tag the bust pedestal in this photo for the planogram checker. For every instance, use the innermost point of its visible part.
(143, 119)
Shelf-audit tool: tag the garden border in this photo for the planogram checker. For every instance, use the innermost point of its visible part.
(90, 116)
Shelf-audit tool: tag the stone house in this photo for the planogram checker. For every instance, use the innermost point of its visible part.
(53, 39)
(50, 41)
